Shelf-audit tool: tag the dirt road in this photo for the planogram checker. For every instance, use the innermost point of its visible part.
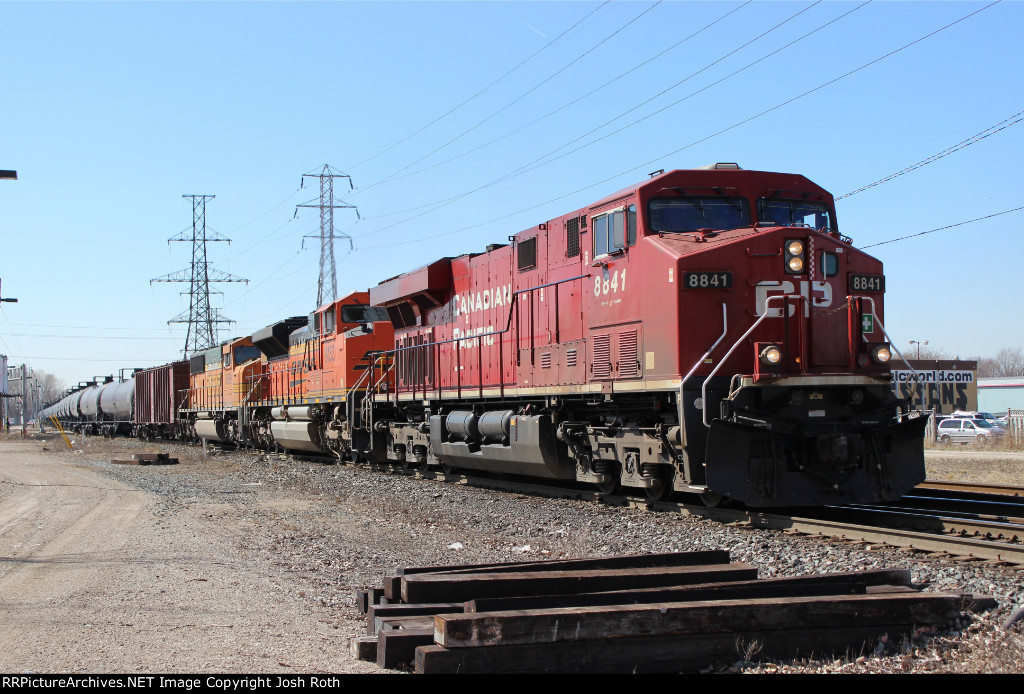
(95, 577)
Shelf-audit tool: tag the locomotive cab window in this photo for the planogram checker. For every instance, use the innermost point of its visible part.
(361, 313)
(795, 213)
(327, 324)
(695, 212)
(246, 353)
(614, 231)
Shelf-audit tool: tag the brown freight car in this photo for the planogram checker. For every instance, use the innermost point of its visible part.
(159, 392)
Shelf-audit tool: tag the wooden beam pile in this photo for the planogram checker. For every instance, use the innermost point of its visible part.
(640, 613)
(147, 459)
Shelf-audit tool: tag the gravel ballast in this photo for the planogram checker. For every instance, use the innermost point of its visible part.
(317, 532)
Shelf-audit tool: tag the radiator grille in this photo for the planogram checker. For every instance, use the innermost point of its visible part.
(629, 365)
(527, 257)
(572, 238)
(602, 361)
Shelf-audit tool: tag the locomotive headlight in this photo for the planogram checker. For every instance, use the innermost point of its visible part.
(771, 355)
(881, 354)
(793, 250)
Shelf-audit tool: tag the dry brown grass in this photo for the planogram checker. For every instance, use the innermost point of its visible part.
(971, 464)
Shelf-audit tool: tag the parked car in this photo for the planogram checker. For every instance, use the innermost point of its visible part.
(964, 431)
(987, 416)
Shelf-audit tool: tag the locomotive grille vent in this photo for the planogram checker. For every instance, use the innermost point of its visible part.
(570, 357)
(602, 362)
(572, 238)
(527, 257)
(545, 360)
(629, 365)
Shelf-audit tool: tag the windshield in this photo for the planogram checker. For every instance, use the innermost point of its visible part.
(695, 212)
(795, 213)
(982, 423)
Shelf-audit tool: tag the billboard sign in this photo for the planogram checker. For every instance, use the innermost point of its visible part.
(942, 385)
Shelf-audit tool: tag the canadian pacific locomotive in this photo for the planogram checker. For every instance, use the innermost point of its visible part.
(705, 331)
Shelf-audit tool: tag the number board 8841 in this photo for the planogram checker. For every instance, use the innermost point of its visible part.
(707, 280)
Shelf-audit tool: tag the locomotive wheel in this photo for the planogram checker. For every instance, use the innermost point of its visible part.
(662, 491)
(448, 469)
(712, 499)
(607, 488)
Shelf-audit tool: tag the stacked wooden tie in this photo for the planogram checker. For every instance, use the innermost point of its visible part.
(147, 459)
(641, 613)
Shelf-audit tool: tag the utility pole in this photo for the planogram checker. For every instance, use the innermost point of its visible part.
(4, 395)
(201, 318)
(6, 175)
(327, 286)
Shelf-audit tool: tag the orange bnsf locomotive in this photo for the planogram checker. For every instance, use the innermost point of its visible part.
(706, 331)
(292, 384)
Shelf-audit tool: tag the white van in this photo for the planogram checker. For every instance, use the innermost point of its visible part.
(963, 430)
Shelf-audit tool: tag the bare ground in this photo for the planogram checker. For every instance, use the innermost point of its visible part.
(243, 563)
(98, 575)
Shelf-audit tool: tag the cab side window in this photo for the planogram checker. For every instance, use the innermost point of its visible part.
(614, 231)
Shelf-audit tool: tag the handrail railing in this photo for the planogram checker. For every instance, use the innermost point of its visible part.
(513, 308)
(764, 314)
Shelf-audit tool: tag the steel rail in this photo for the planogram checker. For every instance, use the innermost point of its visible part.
(957, 545)
(972, 487)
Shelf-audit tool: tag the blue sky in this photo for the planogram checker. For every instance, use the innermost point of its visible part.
(112, 111)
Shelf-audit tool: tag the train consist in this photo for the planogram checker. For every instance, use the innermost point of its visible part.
(705, 331)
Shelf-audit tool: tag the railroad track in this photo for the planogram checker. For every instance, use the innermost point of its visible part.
(930, 530)
(943, 518)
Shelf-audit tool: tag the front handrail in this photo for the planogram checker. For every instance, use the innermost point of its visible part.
(764, 314)
(892, 345)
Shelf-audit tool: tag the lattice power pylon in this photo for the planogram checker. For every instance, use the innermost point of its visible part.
(201, 318)
(327, 287)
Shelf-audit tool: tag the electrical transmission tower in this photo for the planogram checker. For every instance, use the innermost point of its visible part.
(327, 287)
(201, 318)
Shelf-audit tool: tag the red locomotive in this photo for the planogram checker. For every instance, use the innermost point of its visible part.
(705, 331)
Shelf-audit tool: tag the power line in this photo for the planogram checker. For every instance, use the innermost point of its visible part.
(538, 163)
(949, 226)
(559, 109)
(99, 337)
(456, 108)
(520, 97)
(987, 132)
(653, 161)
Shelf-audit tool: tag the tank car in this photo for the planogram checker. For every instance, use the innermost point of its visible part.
(106, 408)
(705, 331)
